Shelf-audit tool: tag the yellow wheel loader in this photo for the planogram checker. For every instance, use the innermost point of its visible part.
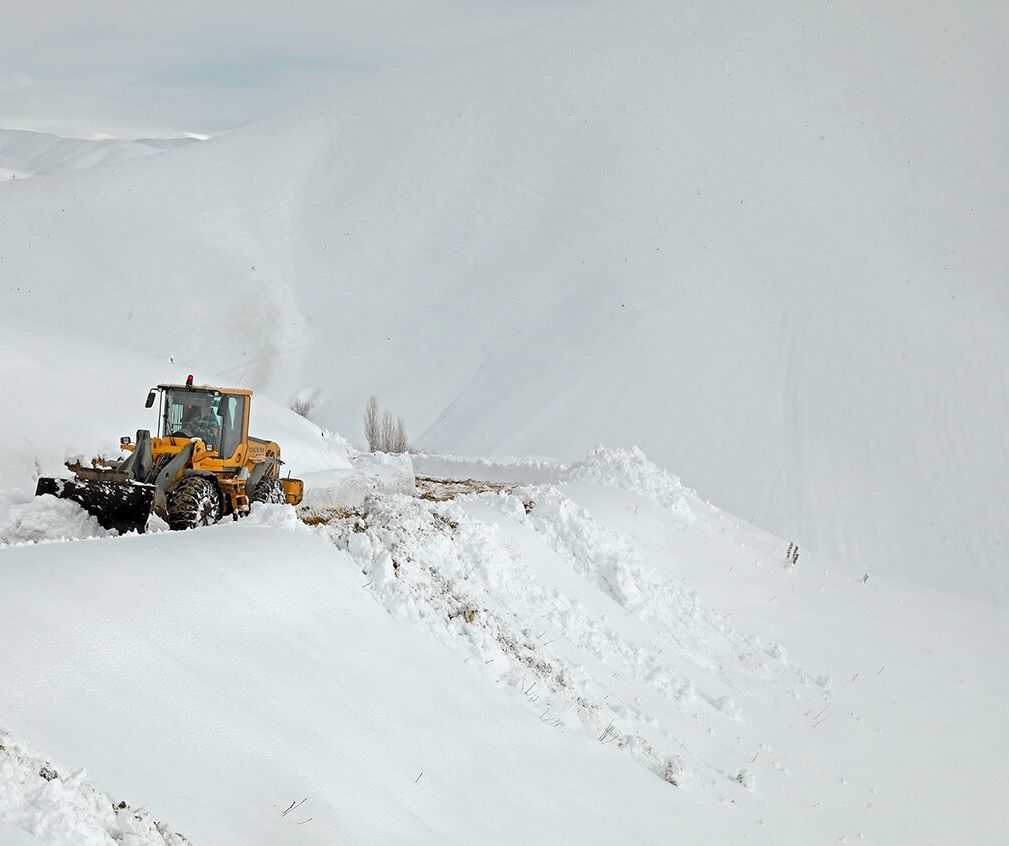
(202, 466)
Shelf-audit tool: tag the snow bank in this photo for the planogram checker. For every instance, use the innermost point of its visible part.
(62, 808)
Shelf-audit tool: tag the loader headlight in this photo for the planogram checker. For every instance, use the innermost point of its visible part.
(124, 440)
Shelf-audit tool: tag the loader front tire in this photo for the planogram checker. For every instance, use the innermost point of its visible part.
(270, 490)
(195, 501)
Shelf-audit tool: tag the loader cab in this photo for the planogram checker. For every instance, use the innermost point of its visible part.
(218, 416)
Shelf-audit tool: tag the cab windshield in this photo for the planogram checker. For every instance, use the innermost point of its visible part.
(214, 417)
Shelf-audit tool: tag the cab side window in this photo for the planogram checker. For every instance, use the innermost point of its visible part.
(231, 410)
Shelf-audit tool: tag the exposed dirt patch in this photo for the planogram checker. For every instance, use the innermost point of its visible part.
(321, 516)
(427, 488)
(440, 490)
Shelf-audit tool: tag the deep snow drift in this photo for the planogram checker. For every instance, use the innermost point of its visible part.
(767, 245)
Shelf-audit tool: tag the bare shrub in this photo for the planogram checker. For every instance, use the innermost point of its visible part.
(372, 429)
(302, 406)
(399, 440)
(384, 432)
(388, 430)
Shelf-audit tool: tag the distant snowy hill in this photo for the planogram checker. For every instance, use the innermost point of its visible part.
(24, 153)
(766, 245)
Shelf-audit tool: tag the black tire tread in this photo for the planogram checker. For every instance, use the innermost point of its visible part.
(269, 490)
(195, 501)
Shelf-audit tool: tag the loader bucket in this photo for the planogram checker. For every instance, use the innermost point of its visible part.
(120, 505)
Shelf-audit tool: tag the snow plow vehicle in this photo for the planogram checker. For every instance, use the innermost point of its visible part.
(202, 466)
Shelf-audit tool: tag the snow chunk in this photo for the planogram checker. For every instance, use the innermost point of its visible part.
(727, 705)
(776, 650)
(273, 515)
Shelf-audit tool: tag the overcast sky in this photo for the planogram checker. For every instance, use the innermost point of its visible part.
(141, 68)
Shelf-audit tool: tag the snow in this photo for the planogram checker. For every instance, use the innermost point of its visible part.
(754, 256)
(348, 487)
(766, 246)
(221, 693)
(65, 809)
(513, 662)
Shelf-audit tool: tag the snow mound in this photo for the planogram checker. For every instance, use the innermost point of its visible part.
(67, 810)
(630, 469)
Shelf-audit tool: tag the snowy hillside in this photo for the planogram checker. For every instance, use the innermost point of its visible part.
(24, 153)
(596, 658)
(768, 247)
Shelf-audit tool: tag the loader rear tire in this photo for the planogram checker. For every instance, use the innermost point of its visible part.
(195, 501)
(270, 490)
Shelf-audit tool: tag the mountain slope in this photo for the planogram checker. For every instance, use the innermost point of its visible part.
(766, 245)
